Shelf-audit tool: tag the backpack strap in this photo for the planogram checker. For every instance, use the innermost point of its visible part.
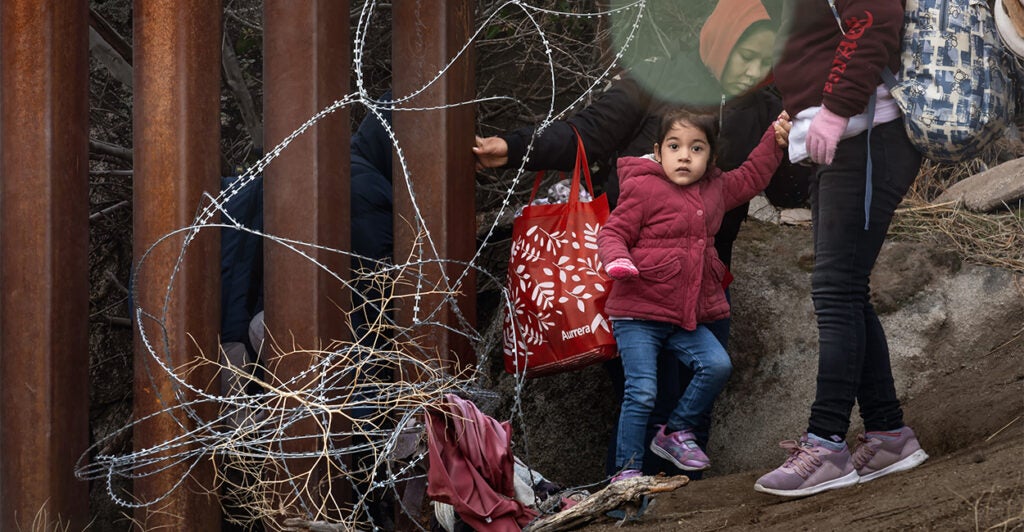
(835, 13)
(888, 78)
(868, 172)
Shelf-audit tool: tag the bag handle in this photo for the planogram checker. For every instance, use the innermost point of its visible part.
(581, 168)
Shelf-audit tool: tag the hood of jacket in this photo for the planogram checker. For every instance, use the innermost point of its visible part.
(723, 29)
(633, 167)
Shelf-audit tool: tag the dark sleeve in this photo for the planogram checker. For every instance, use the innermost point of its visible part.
(241, 259)
(743, 183)
(741, 133)
(872, 38)
(372, 142)
(607, 126)
(372, 204)
(790, 186)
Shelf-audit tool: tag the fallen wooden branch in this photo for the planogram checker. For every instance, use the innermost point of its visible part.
(621, 493)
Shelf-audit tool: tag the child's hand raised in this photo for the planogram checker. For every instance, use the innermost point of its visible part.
(782, 125)
(620, 269)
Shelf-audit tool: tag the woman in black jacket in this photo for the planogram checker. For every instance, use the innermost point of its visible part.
(734, 57)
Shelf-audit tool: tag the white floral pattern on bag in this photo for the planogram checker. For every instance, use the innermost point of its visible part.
(564, 275)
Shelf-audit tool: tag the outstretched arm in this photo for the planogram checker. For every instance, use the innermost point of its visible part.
(607, 126)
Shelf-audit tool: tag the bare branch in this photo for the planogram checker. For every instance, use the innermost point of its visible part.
(252, 25)
(108, 210)
(110, 49)
(105, 148)
(111, 36)
(615, 495)
(235, 80)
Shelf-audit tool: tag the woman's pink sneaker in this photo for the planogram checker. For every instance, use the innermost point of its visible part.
(881, 453)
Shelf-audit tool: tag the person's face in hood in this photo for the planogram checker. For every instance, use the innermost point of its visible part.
(749, 61)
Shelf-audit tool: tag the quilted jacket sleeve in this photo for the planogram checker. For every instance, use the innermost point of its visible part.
(622, 229)
(743, 183)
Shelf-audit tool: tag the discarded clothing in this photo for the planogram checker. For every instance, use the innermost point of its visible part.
(471, 467)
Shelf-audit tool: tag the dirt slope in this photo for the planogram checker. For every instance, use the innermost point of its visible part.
(980, 487)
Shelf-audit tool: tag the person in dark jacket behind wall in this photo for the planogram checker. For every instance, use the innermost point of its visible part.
(372, 238)
(734, 56)
(846, 122)
(372, 221)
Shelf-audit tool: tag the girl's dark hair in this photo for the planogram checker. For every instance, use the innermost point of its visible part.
(708, 123)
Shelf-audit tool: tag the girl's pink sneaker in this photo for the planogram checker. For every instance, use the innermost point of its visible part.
(680, 448)
(626, 473)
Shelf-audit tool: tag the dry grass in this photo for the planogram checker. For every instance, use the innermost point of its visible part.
(989, 239)
(45, 521)
(993, 239)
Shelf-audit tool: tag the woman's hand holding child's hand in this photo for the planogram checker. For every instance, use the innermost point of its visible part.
(782, 126)
(621, 269)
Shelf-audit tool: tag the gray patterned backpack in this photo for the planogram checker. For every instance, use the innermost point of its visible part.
(954, 84)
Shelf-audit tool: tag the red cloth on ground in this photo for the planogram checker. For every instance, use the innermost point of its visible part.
(471, 467)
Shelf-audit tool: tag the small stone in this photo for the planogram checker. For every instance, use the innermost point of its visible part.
(795, 216)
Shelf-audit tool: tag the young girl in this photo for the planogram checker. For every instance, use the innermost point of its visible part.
(658, 245)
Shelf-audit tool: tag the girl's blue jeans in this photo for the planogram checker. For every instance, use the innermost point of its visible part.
(853, 363)
(640, 342)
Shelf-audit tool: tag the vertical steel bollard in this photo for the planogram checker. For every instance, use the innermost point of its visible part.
(306, 191)
(44, 235)
(426, 36)
(176, 137)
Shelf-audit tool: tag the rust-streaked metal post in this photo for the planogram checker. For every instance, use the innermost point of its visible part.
(176, 138)
(426, 35)
(306, 191)
(44, 281)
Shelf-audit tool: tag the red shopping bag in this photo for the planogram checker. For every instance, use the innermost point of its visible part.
(557, 285)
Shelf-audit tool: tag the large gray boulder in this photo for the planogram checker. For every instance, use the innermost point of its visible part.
(989, 190)
(941, 317)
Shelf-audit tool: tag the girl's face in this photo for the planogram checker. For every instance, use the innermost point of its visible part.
(684, 153)
(748, 63)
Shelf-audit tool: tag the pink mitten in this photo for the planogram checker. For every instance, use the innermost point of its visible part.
(620, 269)
(823, 135)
